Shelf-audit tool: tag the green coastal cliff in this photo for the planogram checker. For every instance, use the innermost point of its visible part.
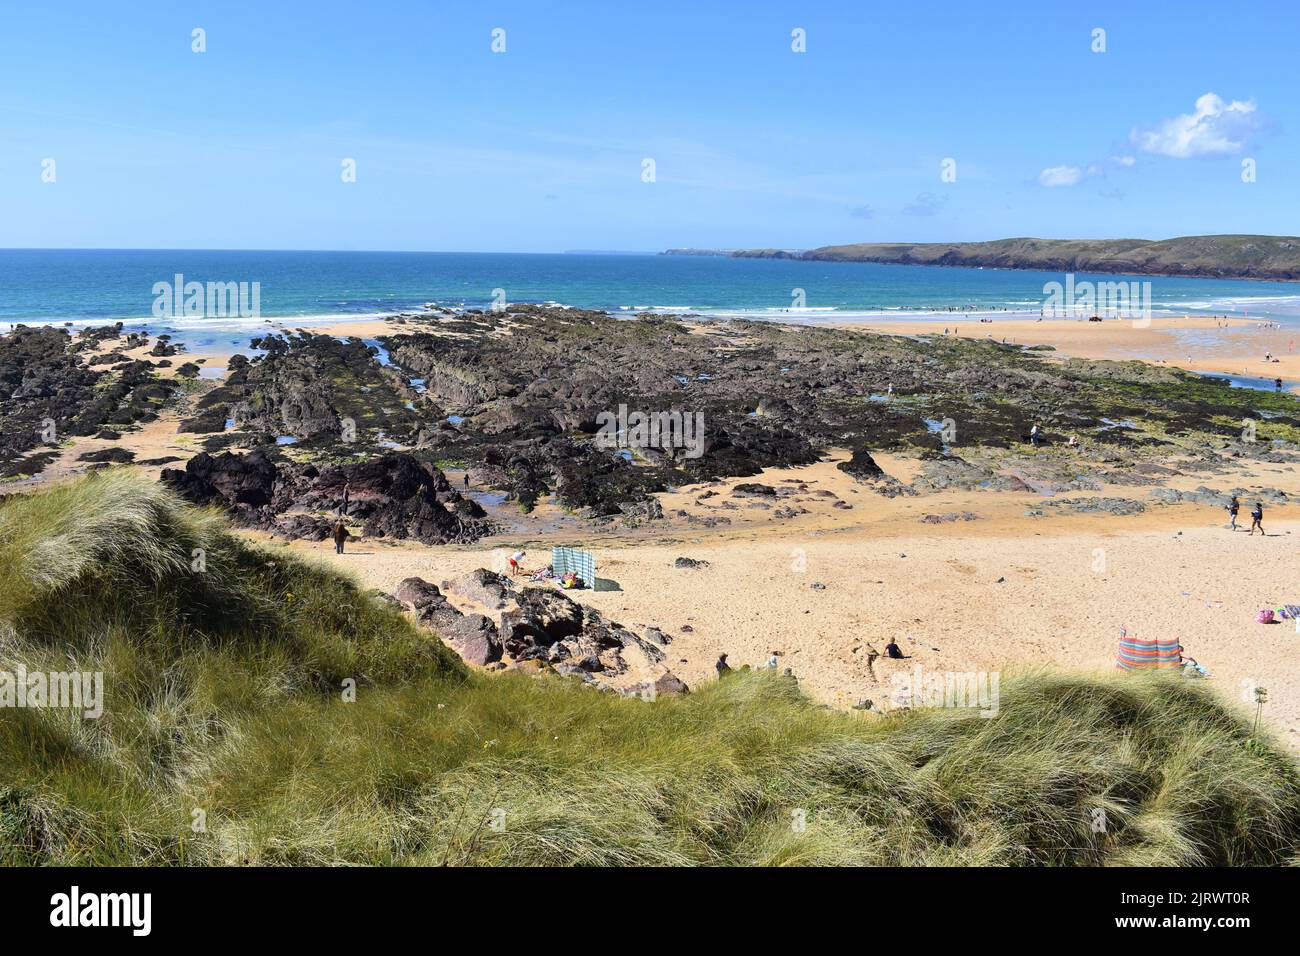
(1220, 257)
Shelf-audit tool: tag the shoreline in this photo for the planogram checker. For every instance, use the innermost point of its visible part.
(1232, 347)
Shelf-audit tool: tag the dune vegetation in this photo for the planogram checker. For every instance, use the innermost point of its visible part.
(231, 735)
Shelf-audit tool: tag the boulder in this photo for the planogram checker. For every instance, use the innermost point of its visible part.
(488, 588)
(225, 479)
(666, 684)
(416, 592)
(542, 617)
(472, 636)
(862, 466)
(116, 456)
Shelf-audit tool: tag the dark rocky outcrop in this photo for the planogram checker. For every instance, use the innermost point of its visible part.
(48, 393)
(524, 400)
(473, 636)
(393, 496)
(544, 627)
(548, 625)
(317, 387)
(862, 466)
(116, 456)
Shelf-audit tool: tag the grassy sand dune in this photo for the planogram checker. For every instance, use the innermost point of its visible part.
(229, 736)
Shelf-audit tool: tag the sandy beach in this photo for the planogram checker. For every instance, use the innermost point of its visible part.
(1001, 591)
(1230, 346)
(962, 580)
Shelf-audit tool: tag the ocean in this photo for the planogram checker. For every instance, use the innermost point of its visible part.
(95, 287)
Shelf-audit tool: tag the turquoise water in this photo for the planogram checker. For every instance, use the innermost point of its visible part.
(87, 287)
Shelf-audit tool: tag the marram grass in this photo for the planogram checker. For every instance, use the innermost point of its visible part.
(226, 737)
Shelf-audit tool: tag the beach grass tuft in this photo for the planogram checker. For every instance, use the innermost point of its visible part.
(230, 736)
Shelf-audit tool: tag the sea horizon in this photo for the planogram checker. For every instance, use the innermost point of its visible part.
(96, 287)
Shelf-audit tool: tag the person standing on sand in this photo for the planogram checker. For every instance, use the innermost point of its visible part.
(347, 492)
(1257, 518)
(515, 561)
(1033, 436)
(1234, 506)
(340, 536)
(722, 667)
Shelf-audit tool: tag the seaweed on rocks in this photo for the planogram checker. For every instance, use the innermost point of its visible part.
(49, 392)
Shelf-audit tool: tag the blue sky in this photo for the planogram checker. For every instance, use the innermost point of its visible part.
(541, 148)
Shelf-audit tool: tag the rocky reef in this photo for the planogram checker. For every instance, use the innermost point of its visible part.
(50, 391)
(395, 496)
(600, 413)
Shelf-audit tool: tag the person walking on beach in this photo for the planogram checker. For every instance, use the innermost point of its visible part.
(1257, 518)
(340, 536)
(1033, 436)
(516, 560)
(722, 667)
(1234, 506)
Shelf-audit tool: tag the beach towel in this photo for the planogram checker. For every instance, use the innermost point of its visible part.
(1137, 652)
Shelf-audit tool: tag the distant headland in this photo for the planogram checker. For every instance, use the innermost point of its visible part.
(1219, 257)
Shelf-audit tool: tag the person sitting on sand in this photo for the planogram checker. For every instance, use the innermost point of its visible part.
(771, 661)
(722, 667)
(340, 535)
(894, 652)
(1234, 507)
(570, 580)
(516, 561)
(1257, 518)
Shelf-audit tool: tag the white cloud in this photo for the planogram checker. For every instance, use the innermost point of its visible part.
(1215, 129)
(1124, 160)
(926, 204)
(1060, 176)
